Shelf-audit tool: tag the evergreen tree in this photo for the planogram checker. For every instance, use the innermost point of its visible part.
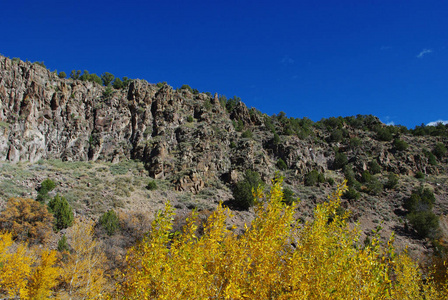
(242, 193)
(75, 74)
(107, 78)
(109, 220)
(62, 212)
(118, 84)
(46, 186)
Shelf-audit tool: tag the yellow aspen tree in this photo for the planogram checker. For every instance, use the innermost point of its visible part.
(147, 261)
(44, 276)
(82, 271)
(276, 257)
(15, 267)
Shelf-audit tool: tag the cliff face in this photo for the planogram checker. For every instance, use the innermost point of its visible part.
(187, 138)
(45, 117)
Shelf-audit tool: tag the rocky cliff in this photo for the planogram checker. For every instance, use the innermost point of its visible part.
(188, 138)
(200, 145)
(46, 117)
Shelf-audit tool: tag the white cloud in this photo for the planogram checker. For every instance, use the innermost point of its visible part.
(388, 121)
(444, 122)
(424, 52)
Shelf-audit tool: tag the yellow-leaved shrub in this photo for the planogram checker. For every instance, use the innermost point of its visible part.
(24, 272)
(82, 274)
(277, 257)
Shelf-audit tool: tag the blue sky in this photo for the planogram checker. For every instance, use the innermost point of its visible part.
(312, 59)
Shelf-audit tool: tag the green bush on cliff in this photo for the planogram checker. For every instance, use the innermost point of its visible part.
(242, 193)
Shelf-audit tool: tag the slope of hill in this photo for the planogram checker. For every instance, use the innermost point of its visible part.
(197, 147)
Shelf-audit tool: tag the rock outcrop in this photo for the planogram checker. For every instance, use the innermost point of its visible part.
(189, 139)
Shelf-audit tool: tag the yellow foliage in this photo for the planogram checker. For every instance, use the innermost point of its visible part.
(82, 273)
(27, 220)
(24, 275)
(15, 267)
(276, 258)
(44, 276)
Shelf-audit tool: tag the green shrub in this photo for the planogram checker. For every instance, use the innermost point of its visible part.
(239, 126)
(247, 134)
(431, 158)
(276, 139)
(86, 76)
(419, 175)
(242, 193)
(110, 222)
(351, 194)
(288, 196)
(117, 84)
(427, 196)
(422, 219)
(384, 134)
(425, 223)
(232, 145)
(126, 81)
(46, 186)
(340, 160)
(336, 136)
(421, 199)
(62, 75)
(40, 63)
(400, 145)
(62, 244)
(374, 186)
(186, 87)
(330, 181)
(355, 142)
(311, 178)
(366, 176)
(190, 119)
(320, 178)
(95, 78)
(281, 164)
(412, 202)
(268, 123)
(375, 168)
(439, 150)
(288, 130)
(392, 181)
(232, 103)
(152, 185)
(62, 212)
(107, 78)
(223, 101)
(75, 75)
(350, 176)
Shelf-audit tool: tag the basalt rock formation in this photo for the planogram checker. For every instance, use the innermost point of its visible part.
(190, 139)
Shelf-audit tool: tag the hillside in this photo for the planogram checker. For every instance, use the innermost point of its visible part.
(103, 145)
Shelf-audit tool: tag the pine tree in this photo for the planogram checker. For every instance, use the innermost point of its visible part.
(62, 212)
